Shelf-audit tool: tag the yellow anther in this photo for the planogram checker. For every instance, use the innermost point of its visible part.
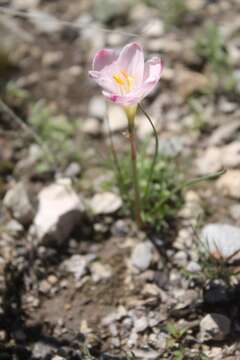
(124, 80)
(118, 79)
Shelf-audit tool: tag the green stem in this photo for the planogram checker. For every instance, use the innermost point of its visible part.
(137, 202)
(155, 151)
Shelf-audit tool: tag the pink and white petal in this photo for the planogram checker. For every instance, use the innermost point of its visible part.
(153, 70)
(131, 60)
(107, 83)
(103, 58)
(124, 100)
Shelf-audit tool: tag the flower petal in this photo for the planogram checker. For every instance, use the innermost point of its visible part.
(131, 60)
(152, 73)
(125, 100)
(103, 58)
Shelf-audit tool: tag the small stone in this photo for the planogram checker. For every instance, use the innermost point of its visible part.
(154, 28)
(44, 286)
(41, 351)
(44, 22)
(57, 357)
(221, 240)
(235, 211)
(18, 202)
(214, 327)
(140, 324)
(189, 82)
(73, 170)
(193, 267)
(231, 155)
(92, 126)
(97, 107)
(116, 118)
(142, 255)
(229, 184)
(52, 58)
(14, 228)
(100, 271)
(78, 264)
(105, 203)
(25, 4)
(224, 133)
(60, 210)
(210, 161)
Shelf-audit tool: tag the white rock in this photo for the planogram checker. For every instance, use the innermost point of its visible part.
(44, 22)
(231, 155)
(214, 327)
(77, 265)
(52, 58)
(142, 255)
(18, 202)
(144, 128)
(100, 271)
(235, 211)
(229, 184)
(210, 161)
(105, 203)
(154, 28)
(140, 324)
(97, 107)
(91, 126)
(224, 133)
(117, 120)
(221, 240)
(14, 228)
(25, 4)
(60, 210)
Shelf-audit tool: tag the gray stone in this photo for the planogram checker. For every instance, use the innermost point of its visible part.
(140, 324)
(97, 107)
(229, 184)
(142, 255)
(224, 133)
(73, 170)
(214, 327)
(221, 240)
(41, 350)
(117, 120)
(105, 203)
(77, 264)
(105, 10)
(235, 212)
(25, 4)
(44, 22)
(100, 272)
(14, 228)
(193, 267)
(60, 210)
(92, 126)
(18, 202)
(210, 161)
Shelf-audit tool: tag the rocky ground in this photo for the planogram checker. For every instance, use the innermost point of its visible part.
(78, 280)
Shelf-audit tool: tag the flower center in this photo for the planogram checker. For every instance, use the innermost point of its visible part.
(124, 80)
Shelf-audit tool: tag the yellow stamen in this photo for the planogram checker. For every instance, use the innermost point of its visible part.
(124, 80)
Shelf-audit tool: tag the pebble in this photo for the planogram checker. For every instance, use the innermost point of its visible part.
(41, 351)
(44, 22)
(229, 184)
(116, 118)
(14, 228)
(142, 255)
(52, 58)
(224, 133)
(97, 107)
(60, 210)
(78, 264)
(18, 202)
(221, 240)
(140, 324)
(214, 327)
(105, 203)
(100, 272)
(92, 126)
(210, 161)
(73, 170)
(193, 267)
(235, 212)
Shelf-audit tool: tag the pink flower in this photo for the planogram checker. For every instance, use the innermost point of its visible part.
(124, 77)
